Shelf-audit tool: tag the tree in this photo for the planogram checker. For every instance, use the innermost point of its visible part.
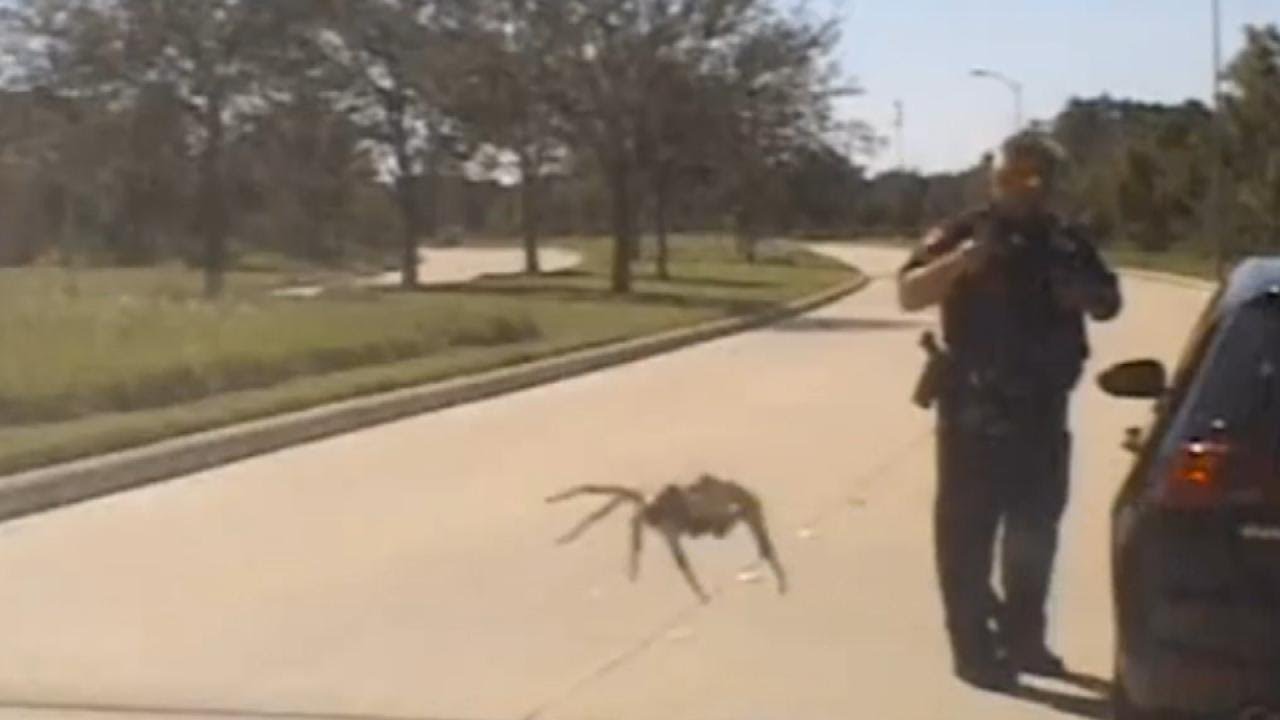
(613, 52)
(780, 86)
(818, 191)
(28, 175)
(221, 61)
(675, 143)
(251, 121)
(1139, 169)
(764, 73)
(1142, 201)
(504, 93)
(600, 73)
(387, 69)
(147, 170)
(1253, 123)
(305, 168)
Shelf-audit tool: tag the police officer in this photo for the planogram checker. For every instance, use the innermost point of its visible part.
(1015, 284)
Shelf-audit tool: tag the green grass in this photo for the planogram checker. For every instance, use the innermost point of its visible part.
(107, 359)
(1177, 261)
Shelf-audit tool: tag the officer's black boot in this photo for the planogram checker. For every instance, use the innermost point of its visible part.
(978, 663)
(1038, 659)
(1023, 644)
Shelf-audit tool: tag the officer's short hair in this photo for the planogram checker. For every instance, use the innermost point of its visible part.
(1036, 147)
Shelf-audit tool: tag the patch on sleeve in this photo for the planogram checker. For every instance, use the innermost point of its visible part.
(934, 242)
(945, 238)
(932, 247)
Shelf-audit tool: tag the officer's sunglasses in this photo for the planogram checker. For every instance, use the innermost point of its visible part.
(1020, 176)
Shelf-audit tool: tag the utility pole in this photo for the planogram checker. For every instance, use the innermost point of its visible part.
(1014, 86)
(899, 126)
(1213, 226)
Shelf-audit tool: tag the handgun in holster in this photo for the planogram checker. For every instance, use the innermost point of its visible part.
(937, 368)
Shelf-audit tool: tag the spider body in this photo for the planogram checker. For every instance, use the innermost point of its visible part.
(708, 507)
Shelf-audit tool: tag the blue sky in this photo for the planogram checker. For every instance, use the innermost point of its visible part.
(921, 51)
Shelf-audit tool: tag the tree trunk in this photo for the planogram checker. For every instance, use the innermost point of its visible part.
(660, 227)
(623, 226)
(406, 189)
(213, 225)
(746, 235)
(530, 217)
(429, 216)
(409, 256)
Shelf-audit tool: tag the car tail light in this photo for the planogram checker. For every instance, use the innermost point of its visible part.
(1197, 478)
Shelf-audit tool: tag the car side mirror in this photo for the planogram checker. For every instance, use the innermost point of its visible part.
(1141, 379)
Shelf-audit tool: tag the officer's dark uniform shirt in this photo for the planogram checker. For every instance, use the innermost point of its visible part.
(1003, 325)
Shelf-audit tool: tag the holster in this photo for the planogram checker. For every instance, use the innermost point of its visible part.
(937, 371)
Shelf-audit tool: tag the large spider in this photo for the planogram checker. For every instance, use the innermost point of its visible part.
(709, 506)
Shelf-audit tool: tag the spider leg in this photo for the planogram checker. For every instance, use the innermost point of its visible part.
(637, 545)
(614, 490)
(590, 520)
(754, 517)
(682, 561)
(780, 573)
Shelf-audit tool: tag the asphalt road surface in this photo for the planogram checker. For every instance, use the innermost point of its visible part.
(409, 571)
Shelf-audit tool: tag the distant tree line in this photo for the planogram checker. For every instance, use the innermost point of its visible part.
(1139, 173)
(133, 131)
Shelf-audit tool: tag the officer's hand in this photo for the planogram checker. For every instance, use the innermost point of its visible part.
(1068, 290)
(976, 254)
(1075, 290)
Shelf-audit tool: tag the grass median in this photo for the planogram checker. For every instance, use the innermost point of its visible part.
(1189, 262)
(103, 360)
(1179, 260)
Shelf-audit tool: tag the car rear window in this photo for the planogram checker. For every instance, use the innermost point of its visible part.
(1236, 394)
(1238, 381)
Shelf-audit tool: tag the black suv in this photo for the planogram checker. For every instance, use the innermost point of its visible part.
(1196, 528)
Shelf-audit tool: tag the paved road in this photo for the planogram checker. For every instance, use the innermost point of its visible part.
(408, 571)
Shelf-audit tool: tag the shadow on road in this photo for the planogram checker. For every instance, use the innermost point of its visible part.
(846, 324)
(1096, 704)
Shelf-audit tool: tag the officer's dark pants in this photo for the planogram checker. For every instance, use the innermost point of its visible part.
(1009, 470)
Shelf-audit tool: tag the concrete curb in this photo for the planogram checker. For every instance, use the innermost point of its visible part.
(58, 485)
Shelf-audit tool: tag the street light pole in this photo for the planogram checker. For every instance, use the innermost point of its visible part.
(1014, 86)
(899, 123)
(1217, 46)
(1213, 213)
